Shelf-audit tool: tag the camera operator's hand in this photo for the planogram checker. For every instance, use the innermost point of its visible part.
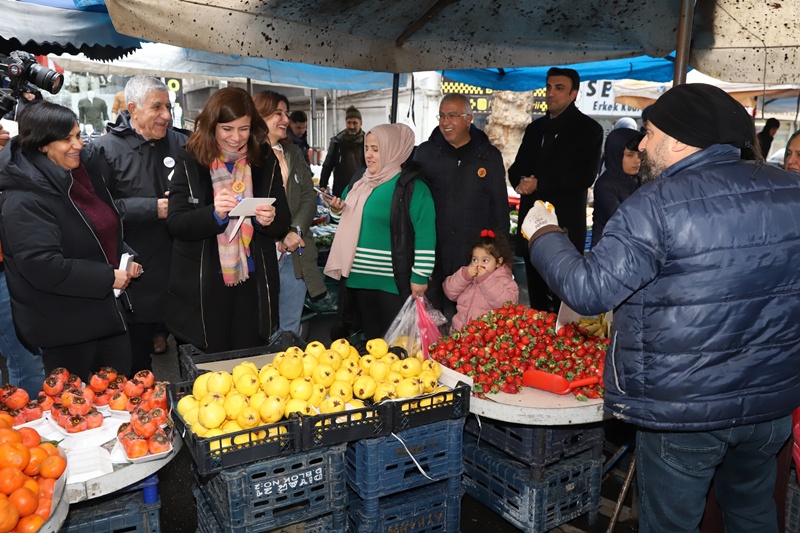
(4, 136)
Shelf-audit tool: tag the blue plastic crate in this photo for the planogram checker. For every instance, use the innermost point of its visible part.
(570, 488)
(121, 513)
(279, 491)
(536, 446)
(379, 467)
(335, 522)
(432, 509)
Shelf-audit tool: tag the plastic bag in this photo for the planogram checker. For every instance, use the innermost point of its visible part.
(404, 331)
(414, 328)
(428, 328)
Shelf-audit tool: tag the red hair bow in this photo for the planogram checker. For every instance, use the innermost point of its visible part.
(487, 233)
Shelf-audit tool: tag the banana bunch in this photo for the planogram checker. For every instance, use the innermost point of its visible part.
(596, 325)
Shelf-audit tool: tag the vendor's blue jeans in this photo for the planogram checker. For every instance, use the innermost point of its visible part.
(674, 472)
(25, 369)
(292, 296)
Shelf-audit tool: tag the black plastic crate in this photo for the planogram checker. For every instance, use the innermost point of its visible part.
(430, 408)
(368, 422)
(126, 513)
(280, 438)
(335, 522)
(189, 356)
(278, 492)
(432, 509)
(536, 446)
(569, 488)
(379, 467)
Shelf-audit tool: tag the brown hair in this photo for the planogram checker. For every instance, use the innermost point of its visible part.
(497, 244)
(226, 105)
(267, 103)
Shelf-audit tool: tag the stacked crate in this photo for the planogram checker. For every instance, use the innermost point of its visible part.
(136, 510)
(408, 481)
(537, 478)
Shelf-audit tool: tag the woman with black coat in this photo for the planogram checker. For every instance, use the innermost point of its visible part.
(223, 285)
(62, 244)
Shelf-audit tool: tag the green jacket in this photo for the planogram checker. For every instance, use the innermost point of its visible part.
(303, 206)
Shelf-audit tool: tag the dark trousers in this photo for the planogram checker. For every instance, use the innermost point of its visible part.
(85, 358)
(378, 310)
(142, 345)
(675, 470)
(541, 297)
(231, 315)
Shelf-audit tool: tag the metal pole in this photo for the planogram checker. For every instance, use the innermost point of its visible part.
(395, 93)
(684, 42)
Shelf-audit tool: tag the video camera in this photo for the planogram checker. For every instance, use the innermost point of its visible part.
(25, 75)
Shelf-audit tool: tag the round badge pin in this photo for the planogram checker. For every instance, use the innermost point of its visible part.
(481, 172)
(169, 162)
(238, 187)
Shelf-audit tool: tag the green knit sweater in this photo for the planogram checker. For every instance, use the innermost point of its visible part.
(372, 266)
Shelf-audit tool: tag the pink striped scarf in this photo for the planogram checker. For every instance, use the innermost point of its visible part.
(233, 253)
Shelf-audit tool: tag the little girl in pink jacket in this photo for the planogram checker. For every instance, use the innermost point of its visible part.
(486, 283)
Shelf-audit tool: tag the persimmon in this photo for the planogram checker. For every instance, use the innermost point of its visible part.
(9, 516)
(51, 468)
(25, 500)
(46, 487)
(5, 421)
(14, 454)
(9, 435)
(30, 437)
(11, 479)
(44, 509)
(37, 455)
(29, 524)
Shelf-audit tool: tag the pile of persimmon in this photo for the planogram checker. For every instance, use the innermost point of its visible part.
(17, 403)
(29, 469)
(144, 433)
(73, 404)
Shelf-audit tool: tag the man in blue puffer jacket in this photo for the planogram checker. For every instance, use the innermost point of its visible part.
(700, 267)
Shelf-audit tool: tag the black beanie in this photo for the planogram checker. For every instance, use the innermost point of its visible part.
(700, 115)
(352, 112)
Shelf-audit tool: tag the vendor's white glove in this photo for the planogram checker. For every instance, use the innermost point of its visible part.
(540, 215)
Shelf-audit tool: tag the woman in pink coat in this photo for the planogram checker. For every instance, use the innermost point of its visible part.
(486, 283)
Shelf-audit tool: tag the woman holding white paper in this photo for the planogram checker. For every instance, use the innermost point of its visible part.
(223, 286)
(62, 243)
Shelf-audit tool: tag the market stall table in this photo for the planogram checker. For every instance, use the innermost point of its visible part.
(123, 476)
(535, 407)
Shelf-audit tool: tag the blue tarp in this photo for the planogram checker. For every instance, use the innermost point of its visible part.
(531, 78)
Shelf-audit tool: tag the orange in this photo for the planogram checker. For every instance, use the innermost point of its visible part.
(14, 454)
(30, 437)
(52, 467)
(10, 479)
(49, 447)
(45, 505)
(29, 524)
(6, 418)
(8, 516)
(37, 455)
(25, 501)
(46, 487)
(9, 435)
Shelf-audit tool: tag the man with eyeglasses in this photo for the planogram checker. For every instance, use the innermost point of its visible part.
(557, 162)
(140, 148)
(467, 179)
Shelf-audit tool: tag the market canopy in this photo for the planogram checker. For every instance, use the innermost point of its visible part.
(167, 60)
(530, 78)
(57, 26)
(747, 40)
